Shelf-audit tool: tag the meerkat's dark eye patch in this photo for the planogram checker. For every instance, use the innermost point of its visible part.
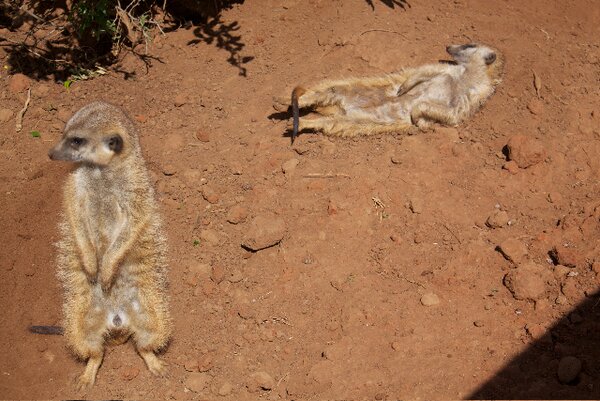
(468, 46)
(75, 142)
(490, 58)
(115, 143)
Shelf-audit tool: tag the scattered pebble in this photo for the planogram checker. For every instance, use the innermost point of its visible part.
(289, 166)
(569, 368)
(513, 250)
(180, 100)
(396, 159)
(202, 136)
(430, 299)
(260, 381)
(396, 346)
(528, 281)
(169, 169)
(237, 214)
(264, 231)
(396, 238)
(5, 115)
(18, 83)
(209, 194)
(498, 219)
(478, 323)
(197, 381)
(539, 333)
(525, 151)
(416, 205)
(565, 256)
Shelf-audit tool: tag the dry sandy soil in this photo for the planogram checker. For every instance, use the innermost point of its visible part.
(372, 224)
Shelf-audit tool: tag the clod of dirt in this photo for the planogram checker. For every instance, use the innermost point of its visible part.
(397, 238)
(191, 365)
(180, 100)
(525, 151)
(264, 231)
(196, 381)
(217, 274)
(209, 194)
(289, 166)
(203, 136)
(478, 323)
(18, 83)
(5, 115)
(416, 205)
(225, 389)
(498, 219)
(210, 236)
(237, 214)
(513, 250)
(570, 290)
(565, 256)
(569, 368)
(511, 166)
(205, 362)
(539, 333)
(560, 272)
(535, 106)
(396, 346)
(129, 372)
(430, 299)
(528, 281)
(169, 169)
(260, 381)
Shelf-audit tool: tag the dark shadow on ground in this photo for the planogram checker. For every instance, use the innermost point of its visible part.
(390, 3)
(533, 374)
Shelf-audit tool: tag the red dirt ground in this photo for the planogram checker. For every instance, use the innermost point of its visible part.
(332, 311)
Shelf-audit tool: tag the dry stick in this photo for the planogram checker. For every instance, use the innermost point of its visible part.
(19, 125)
(537, 83)
(382, 30)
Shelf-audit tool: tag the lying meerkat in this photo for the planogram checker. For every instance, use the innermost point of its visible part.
(112, 253)
(447, 93)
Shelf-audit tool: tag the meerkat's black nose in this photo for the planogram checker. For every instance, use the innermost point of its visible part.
(448, 48)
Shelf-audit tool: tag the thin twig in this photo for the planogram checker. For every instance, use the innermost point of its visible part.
(452, 232)
(382, 30)
(19, 125)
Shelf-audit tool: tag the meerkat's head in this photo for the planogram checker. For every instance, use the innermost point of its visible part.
(479, 55)
(98, 134)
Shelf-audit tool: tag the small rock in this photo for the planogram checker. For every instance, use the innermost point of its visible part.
(525, 151)
(197, 381)
(260, 381)
(210, 236)
(570, 290)
(416, 206)
(396, 160)
(430, 299)
(237, 214)
(539, 333)
(18, 83)
(511, 166)
(264, 231)
(203, 136)
(210, 194)
(560, 272)
(169, 169)
(498, 219)
(569, 368)
(565, 256)
(396, 346)
(180, 100)
(478, 323)
(555, 197)
(513, 250)
(5, 115)
(129, 372)
(528, 281)
(225, 389)
(396, 238)
(289, 166)
(332, 208)
(217, 274)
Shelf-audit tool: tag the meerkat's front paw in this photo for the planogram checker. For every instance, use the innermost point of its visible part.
(155, 365)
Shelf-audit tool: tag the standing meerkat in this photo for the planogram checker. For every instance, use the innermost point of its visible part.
(112, 255)
(446, 93)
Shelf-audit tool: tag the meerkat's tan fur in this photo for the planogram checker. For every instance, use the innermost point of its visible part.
(446, 93)
(112, 252)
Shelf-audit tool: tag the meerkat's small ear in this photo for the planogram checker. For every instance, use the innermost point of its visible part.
(115, 143)
(490, 58)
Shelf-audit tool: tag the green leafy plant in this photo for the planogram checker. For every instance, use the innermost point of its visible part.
(35, 134)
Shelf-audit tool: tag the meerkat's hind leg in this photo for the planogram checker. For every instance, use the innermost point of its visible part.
(88, 377)
(424, 113)
(155, 365)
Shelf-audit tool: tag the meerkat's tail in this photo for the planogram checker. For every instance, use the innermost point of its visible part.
(52, 330)
(296, 93)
